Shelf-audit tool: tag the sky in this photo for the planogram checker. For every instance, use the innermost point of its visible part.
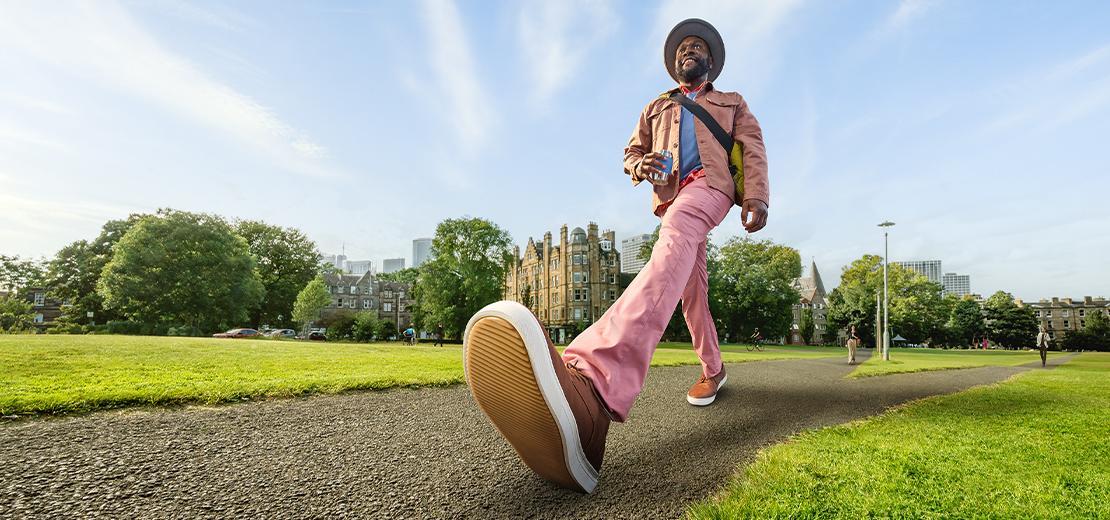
(981, 128)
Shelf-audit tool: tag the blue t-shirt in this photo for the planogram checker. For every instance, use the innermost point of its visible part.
(689, 159)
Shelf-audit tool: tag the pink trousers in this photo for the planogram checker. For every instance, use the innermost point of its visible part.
(616, 350)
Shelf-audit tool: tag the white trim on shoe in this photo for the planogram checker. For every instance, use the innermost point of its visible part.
(535, 342)
(705, 401)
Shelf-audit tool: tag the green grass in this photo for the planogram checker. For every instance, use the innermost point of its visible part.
(64, 374)
(1031, 447)
(919, 360)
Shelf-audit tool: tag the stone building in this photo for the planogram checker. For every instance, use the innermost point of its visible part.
(1065, 314)
(392, 301)
(811, 295)
(46, 310)
(568, 284)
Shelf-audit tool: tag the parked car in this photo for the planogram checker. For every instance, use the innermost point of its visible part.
(283, 333)
(317, 336)
(237, 333)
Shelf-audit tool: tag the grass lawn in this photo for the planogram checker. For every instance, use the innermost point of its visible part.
(1031, 447)
(922, 359)
(61, 374)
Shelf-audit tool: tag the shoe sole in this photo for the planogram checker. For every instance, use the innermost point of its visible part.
(509, 370)
(706, 401)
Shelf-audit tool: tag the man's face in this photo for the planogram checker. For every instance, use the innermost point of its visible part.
(692, 59)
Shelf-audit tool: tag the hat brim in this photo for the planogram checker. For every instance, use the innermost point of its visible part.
(702, 29)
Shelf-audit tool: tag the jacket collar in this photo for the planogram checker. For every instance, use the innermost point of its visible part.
(708, 89)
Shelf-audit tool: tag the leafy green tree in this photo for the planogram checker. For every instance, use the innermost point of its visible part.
(366, 326)
(807, 326)
(72, 275)
(286, 260)
(340, 325)
(752, 287)
(1010, 325)
(16, 315)
(466, 272)
(311, 301)
(1094, 336)
(20, 274)
(965, 322)
(181, 268)
(526, 297)
(407, 275)
(918, 309)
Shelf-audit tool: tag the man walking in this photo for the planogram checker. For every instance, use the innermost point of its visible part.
(556, 410)
(1042, 345)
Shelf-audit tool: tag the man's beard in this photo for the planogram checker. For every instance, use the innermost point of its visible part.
(700, 68)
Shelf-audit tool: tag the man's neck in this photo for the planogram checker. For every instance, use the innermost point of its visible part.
(696, 84)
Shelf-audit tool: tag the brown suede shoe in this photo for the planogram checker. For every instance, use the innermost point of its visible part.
(549, 412)
(704, 392)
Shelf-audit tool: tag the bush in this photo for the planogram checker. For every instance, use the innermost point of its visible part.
(66, 328)
(184, 330)
(339, 325)
(366, 327)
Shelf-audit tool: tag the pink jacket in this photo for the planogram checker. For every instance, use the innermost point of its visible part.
(657, 130)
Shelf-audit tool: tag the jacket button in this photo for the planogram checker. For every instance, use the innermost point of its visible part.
(675, 146)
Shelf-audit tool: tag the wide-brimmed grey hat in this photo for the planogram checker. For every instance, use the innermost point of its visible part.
(702, 29)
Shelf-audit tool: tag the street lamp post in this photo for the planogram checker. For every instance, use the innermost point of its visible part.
(886, 293)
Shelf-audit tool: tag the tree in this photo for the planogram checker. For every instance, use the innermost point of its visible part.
(466, 272)
(366, 326)
(1094, 336)
(965, 322)
(16, 315)
(286, 260)
(407, 275)
(752, 287)
(17, 275)
(526, 297)
(807, 327)
(918, 309)
(676, 329)
(1010, 325)
(72, 275)
(311, 301)
(181, 268)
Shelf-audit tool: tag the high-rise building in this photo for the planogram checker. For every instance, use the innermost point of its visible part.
(336, 261)
(392, 265)
(957, 284)
(421, 251)
(630, 253)
(568, 284)
(928, 268)
(359, 266)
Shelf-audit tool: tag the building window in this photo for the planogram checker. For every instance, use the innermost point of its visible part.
(1082, 313)
(387, 294)
(354, 289)
(612, 294)
(577, 277)
(387, 306)
(38, 318)
(400, 307)
(1066, 326)
(365, 304)
(40, 300)
(339, 289)
(577, 314)
(1048, 314)
(352, 303)
(401, 294)
(1064, 313)
(612, 278)
(340, 304)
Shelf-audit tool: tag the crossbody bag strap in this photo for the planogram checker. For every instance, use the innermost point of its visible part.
(722, 136)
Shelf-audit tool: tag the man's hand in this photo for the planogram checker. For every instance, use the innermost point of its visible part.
(753, 214)
(650, 169)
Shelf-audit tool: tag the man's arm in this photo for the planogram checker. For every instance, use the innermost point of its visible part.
(757, 192)
(638, 146)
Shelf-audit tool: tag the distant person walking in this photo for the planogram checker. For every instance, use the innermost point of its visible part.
(439, 336)
(853, 343)
(1042, 345)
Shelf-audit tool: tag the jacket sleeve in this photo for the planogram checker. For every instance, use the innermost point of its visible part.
(746, 130)
(638, 145)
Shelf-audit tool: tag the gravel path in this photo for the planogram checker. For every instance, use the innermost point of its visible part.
(426, 453)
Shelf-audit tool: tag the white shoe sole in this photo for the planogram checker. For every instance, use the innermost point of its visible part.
(705, 401)
(510, 373)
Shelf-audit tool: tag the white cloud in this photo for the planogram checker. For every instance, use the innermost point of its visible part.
(102, 43)
(907, 11)
(455, 73)
(555, 37)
